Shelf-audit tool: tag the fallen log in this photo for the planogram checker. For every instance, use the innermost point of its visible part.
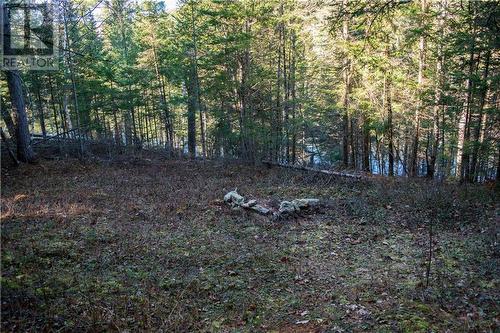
(286, 208)
(303, 168)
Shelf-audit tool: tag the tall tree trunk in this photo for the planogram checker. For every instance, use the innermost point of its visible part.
(345, 98)
(406, 153)
(461, 154)
(293, 88)
(242, 99)
(131, 114)
(52, 101)
(286, 96)
(24, 150)
(164, 104)
(147, 120)
(481, 120)
(438, 92)
(196, 82)
(68, 124)
(390, 130)
(72, 77)
(420, 106)
(203, 128)
(278, 126)
(352, 141)
(118, 137)
(498, 167)
(378, 155)
(366, 144)
(193, 108)
(40, 112)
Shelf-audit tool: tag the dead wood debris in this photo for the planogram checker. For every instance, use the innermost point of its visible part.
(303, 168)
(286, 208)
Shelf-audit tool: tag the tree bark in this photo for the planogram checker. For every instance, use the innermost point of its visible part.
(461, 154)
(390, 130)
(498, 167)
(7, 118)
(366, 144)
(24, 150)
(72, 77)
(196, 83)
(193, 107)
(345, 98)
(278, 125)
(164, 105)
(41, 113)
(438, 92)
(293, 88)
(481, 120)
(54, 109)
(420, 106)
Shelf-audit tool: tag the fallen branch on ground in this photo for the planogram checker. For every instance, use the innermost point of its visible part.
(327, 172)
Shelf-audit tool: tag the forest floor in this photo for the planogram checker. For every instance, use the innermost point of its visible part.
(148, 245)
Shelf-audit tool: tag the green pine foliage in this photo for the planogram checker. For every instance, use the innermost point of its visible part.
(357, 81)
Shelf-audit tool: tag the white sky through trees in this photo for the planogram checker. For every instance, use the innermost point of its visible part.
(100, 16)
(170, 4)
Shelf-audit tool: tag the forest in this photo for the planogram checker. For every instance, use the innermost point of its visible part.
(405, 88)
(363, 137)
